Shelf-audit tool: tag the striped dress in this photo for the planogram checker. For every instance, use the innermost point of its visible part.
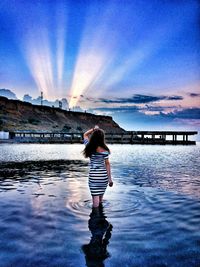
(98, 177)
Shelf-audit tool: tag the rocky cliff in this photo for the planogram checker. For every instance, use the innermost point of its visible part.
(17, 115)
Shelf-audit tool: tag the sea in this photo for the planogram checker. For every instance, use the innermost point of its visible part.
(149, 218)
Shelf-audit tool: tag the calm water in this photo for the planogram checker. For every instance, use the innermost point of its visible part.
(150, 217)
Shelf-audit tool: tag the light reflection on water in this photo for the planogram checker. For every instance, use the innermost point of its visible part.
(46, 208)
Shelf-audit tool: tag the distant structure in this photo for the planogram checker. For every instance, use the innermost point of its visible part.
(41, 98)
(126, 137)
(65, 104)
(60, 104)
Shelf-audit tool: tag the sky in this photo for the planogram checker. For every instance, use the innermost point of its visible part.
(134, 60)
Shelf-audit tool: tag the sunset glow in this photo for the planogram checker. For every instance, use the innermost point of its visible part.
(106, 58)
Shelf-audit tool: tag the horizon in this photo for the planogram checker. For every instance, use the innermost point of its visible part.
(119, 59)
(193, 137)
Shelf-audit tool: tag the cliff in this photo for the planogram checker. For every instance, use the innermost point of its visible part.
(16, 115)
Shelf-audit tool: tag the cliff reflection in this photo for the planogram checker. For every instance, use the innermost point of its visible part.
(96, 251)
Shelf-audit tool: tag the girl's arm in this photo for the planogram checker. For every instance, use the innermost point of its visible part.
(107, 163)
(86, 134)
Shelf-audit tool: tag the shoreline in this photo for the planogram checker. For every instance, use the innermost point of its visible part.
(193, 142)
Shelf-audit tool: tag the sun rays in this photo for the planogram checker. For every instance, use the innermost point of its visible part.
(39, 60)
(44, 50)
(107, 53)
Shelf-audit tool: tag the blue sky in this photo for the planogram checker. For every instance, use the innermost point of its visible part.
(134, 60)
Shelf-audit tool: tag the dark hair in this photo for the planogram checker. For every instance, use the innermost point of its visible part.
(97, 139)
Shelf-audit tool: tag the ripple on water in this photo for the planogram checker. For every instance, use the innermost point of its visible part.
(115, 208)
(151, 226)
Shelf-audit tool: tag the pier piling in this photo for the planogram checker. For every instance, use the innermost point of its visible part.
(126, 137)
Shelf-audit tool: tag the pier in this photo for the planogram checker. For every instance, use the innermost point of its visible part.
(153, 137)
(126, 137)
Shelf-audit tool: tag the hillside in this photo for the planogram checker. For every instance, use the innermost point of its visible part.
(17, 115)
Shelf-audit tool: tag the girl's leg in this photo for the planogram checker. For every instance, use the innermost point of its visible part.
(100, 198)
(95, 200)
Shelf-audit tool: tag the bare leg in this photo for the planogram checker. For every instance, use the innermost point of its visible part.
(95, 200)
(100, 198)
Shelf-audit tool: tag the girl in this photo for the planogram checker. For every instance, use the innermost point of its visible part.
(99, 174)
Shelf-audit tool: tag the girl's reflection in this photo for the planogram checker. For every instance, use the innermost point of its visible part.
(96, 251)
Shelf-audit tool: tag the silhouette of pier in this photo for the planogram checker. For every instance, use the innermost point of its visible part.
(154, 137)
(126, 137)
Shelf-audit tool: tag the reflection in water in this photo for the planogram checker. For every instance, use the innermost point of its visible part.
(157, 227)
(96, 251)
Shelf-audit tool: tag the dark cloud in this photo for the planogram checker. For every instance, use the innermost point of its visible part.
(136, 99)
(194, 95)
(174, 97)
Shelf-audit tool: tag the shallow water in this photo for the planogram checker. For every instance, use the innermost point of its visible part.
(150, 217)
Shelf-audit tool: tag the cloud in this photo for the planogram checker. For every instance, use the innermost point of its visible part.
(8, 93)
(137, 99)
(187, 113)
(115, 109)
(132, 109)
(136, 118)
(175, 97)
(37, 101)
(157, 108)
(193, 94)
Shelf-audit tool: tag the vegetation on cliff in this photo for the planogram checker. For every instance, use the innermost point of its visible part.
(16, 115)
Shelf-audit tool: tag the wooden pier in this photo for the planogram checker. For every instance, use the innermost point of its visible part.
(127, 137)
(153, 137)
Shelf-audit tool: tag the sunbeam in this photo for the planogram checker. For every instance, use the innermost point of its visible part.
(60, 45)
(102, 56)
(98, 67)
(94, 53)
(87, 68)
(101, 50)
(39, 60)
(44, 49)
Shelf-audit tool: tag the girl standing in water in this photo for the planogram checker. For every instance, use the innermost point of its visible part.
(99, 174)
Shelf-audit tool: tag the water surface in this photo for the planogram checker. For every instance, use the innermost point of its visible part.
(150, 217)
